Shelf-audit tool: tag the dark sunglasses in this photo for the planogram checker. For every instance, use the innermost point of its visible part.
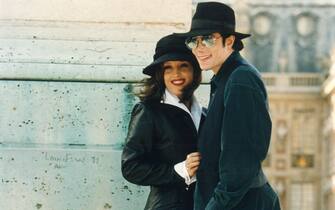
(208, 41)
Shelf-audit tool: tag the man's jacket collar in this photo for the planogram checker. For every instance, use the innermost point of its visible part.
(227, 67)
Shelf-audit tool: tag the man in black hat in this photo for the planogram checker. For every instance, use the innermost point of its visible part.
(235, 137)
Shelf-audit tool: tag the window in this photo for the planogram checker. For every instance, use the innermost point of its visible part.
(302, 196)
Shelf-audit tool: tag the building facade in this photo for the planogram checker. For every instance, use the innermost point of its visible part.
(291, 45)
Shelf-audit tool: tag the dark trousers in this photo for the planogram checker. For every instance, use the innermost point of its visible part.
(261, 198)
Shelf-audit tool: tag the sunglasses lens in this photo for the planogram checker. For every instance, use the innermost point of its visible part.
(208, 41)
(191, 43)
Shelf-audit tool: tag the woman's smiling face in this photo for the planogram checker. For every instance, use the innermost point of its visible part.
(177, 76)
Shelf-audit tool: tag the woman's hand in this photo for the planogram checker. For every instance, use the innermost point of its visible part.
(192, 163)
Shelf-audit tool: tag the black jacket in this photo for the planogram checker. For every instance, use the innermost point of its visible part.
(234, 140)
(159, 136)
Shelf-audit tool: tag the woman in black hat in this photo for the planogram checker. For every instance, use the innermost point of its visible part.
(160, 149)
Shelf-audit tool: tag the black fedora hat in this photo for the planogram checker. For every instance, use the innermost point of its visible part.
(170, 48)
(211, 17)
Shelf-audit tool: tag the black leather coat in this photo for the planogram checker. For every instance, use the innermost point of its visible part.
(159, 136)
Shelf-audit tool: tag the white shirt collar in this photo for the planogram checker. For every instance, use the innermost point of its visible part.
(196, 109)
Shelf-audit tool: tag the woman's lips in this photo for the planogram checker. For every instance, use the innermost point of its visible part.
(178, 81)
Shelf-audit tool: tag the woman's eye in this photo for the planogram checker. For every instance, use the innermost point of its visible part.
(184, 65)
(167, 69)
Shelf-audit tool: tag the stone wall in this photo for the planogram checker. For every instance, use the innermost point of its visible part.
(67, 69)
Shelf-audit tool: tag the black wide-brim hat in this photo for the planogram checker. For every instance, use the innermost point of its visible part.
(170, 48)
(211, 17)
